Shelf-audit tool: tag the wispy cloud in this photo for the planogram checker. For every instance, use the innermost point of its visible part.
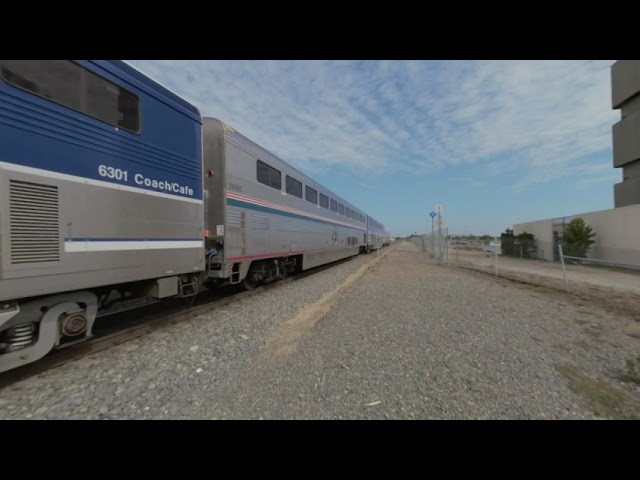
(539, 119)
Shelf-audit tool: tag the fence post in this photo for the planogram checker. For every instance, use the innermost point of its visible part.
(564, 270)
(448, 244)
(495, 242)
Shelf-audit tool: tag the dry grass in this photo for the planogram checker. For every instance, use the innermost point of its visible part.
(605, 400)
(632, 330)
(633, 369)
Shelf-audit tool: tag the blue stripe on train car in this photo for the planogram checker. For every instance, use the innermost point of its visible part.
(260, 208)
(165, 156)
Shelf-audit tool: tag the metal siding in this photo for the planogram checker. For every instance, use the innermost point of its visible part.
(215, 186)
(261, 222)
(312, 260)
(288, 224)
(233, 217)
(281, 209)
(89, 212)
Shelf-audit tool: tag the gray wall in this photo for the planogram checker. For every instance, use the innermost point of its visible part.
(543, 234)
(625, 95)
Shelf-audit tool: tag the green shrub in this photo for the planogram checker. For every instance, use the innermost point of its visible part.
(578, 238)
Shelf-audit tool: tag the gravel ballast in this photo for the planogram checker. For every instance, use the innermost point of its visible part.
(406, 340)
(168, 373)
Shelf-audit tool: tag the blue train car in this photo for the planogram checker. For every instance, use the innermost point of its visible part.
(100, 187)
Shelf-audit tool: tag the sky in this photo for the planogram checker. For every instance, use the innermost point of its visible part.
(495, 143)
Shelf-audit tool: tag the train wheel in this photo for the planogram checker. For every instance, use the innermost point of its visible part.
(249, 283)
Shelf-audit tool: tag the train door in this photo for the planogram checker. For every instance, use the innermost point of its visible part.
(236, 236)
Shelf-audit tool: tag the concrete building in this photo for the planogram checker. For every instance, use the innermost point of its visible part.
(625, 95)
(617, 230)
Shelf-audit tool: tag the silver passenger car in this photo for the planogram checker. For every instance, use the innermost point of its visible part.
(264, 218)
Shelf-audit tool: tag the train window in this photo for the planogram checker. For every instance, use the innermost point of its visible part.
(111, 104)
(311, 195)
(347, 212)
(269, 175)
(73, 86)
(324, 201)
(334, 205)
(341, 209)
(294, 187)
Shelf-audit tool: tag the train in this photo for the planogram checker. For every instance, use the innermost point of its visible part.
(113, 187)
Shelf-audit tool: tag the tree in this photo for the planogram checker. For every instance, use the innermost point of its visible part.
(522, 245)
(525, 245)
(578, 238)
(507, 239)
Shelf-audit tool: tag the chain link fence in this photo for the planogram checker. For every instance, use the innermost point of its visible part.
(436, 245)
(601, 273)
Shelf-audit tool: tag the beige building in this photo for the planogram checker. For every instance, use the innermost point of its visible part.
(617, 237)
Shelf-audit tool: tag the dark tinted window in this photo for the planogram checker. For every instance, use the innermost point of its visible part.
(269, 175)
(347, 212)
(334, 205)
(341, 209)
(311, 195)
(75, 87)
(324, 201)
(294, 187)
(111, 104)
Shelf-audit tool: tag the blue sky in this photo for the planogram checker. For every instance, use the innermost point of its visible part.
(494, 142)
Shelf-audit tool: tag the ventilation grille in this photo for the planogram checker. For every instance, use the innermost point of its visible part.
(34, 224)
(261, 222)
(233, 218)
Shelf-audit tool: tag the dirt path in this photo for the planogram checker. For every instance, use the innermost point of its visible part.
(616, 290)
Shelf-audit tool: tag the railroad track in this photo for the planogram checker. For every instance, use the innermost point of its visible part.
(151, 318)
